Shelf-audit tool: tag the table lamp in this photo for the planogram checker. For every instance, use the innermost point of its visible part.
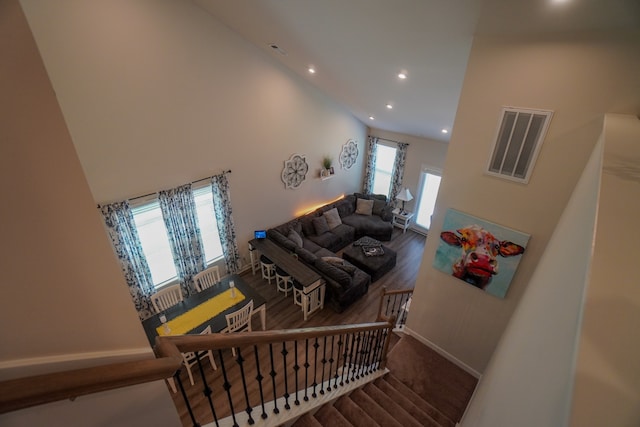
(404, 196)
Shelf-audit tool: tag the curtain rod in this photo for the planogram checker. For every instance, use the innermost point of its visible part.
(192, 182)
(389, 140)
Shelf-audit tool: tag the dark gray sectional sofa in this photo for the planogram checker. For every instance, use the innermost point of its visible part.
(317, 236)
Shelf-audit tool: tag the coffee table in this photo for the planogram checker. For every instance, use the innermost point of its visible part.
(376, 266)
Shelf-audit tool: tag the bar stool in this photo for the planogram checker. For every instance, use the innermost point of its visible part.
(268, 268)
(297, 293)
(284, 282)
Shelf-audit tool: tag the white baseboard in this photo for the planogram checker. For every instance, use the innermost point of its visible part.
(18, 368)
(443, 353)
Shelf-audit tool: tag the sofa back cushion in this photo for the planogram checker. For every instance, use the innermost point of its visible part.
(306, 223)
(280, 239)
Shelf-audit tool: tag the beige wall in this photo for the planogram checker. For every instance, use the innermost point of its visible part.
(607, 385)
(61, 283)
(528, 382)
(580, 78)
(158, 93)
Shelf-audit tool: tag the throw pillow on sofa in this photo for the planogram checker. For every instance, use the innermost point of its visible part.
(364, 207)
(378, 206)
(320, 224)
(333, 260)
(295, 237)
(333, 218)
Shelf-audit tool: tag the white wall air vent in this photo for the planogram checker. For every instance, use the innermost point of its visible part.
(518, 141)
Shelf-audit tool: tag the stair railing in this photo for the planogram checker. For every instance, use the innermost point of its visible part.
(271, 372)
(394, 304)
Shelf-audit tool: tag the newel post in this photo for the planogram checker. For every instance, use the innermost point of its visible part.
(385, 350)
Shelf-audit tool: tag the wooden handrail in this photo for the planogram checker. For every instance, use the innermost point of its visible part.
(26, 392)
(397, 291)
(383, 293)
(186, 343)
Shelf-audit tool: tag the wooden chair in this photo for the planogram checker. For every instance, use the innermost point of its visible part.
(166, 297)
(240, 320)
(207, 278)
(191, 358)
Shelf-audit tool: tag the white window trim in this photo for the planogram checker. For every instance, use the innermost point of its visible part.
(433, 171)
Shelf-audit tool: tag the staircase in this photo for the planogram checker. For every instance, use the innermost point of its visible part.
(384, 402)
(421, 389)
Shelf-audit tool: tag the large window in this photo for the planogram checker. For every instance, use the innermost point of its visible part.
(155, 242)
(385, 158)
(208, 224)
(427, 194)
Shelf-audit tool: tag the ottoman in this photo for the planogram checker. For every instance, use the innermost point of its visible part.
(376, 266)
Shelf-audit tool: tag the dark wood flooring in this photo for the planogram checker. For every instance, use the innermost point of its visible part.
(283, 314)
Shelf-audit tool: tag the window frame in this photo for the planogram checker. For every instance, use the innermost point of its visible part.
(424, 170)
(376, 169)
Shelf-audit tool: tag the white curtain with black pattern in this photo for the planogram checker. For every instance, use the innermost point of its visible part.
(370, 165)
(126, 243)
(226, 228)
(181, 221)
(398, 170)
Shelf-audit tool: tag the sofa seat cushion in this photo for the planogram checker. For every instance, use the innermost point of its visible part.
(372, 226)
(345, 233)
(344, 297)
(305, 255)
(326, 240)
(333, 272)
(310, 245)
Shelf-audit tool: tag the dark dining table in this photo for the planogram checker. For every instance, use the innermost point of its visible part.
(218, 323)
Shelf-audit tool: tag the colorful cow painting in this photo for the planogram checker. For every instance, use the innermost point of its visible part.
(479, 252)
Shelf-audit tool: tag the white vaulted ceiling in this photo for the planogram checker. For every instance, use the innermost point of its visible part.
(358, 47)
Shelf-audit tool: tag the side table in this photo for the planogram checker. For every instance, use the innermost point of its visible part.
(402, 220)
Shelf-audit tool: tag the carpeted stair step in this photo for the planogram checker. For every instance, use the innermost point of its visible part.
(328, 415)
(375, 411)
(391, 381)
(402, 409)
(307, 420)
(352, 412)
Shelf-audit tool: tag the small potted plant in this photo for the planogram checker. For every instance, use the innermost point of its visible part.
(326, 164)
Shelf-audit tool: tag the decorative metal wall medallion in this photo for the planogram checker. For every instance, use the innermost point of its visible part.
(349, 154)
(295, 171)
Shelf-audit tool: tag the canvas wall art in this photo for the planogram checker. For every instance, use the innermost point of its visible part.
(479, 252)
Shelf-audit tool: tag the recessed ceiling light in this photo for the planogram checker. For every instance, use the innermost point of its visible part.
(402, 75)
(371, 118)
(312, 69)
(389, 106)
(444, 131)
